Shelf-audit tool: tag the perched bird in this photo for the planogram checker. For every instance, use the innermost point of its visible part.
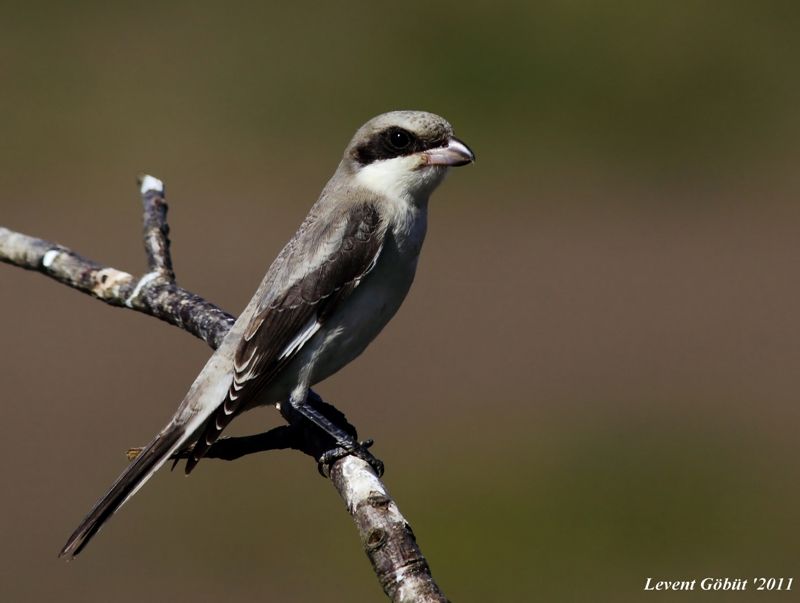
(331, 290)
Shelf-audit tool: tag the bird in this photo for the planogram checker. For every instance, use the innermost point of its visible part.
(327, 295)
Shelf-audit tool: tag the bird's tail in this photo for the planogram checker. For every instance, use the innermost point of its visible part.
(133, 478)
(205, 394)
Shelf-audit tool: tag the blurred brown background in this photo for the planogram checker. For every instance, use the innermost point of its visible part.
(594, 379)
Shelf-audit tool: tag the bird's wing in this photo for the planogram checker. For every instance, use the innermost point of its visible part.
(328, 264)
(320, 266)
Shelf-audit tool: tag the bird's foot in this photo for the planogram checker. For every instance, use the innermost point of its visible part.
(357, 449)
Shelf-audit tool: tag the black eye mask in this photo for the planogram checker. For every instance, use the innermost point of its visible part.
(394, 142)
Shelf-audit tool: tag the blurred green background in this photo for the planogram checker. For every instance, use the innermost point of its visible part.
(594, 379)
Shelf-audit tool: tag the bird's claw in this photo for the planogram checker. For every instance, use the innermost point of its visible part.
(359, 449)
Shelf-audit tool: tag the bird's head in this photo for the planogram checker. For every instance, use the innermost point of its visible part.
(404, 153)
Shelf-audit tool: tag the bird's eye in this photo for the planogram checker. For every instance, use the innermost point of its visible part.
(399, 139)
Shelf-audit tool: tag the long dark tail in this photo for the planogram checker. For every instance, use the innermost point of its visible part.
(133, 478)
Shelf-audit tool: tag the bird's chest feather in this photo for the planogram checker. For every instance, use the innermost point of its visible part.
(381, 292)
(409, 223)
(376, 299)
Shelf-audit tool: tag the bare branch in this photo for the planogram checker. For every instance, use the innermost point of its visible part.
(386, 536)
(156, 229)
(154, 293)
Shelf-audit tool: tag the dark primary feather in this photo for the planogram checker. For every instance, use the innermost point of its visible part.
(312, 297)
(147, 462)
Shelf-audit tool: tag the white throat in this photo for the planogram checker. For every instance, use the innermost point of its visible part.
(405, 184)
(405, 179)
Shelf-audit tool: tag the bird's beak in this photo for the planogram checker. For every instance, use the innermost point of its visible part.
(454, 153)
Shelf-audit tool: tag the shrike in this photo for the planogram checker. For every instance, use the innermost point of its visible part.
(330, 291)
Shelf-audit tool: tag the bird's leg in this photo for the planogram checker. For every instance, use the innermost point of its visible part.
(303, 406)
(336, 442)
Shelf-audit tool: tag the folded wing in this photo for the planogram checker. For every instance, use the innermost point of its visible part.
(328, 266)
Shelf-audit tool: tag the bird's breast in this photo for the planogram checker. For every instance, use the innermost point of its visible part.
(373, 303)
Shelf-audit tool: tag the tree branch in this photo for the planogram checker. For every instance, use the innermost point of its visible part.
(156, 229)
(385, 535)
